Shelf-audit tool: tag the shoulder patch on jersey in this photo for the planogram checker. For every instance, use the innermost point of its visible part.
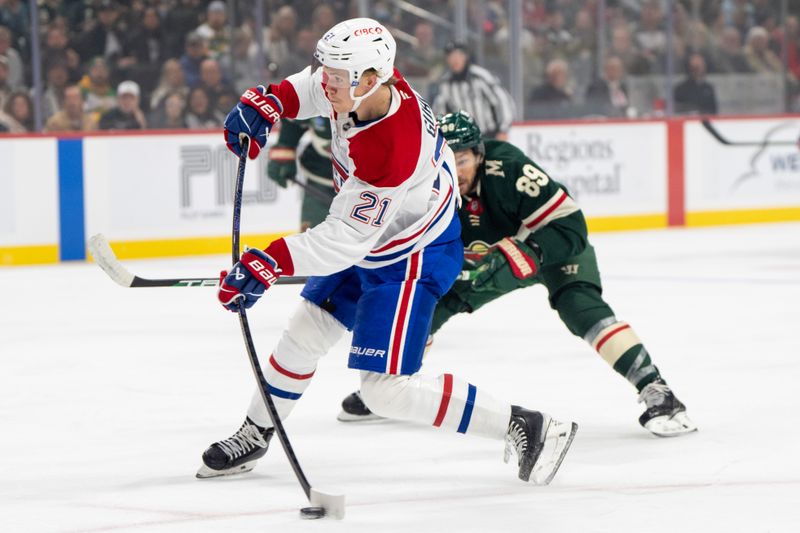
(494, 168)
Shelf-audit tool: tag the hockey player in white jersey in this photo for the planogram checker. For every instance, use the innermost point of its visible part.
(388, 250)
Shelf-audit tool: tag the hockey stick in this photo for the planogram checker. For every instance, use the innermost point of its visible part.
(322, 503)
(718, 136)
(106, 259)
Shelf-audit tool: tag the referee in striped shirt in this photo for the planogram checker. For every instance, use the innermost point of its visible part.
(472, 88)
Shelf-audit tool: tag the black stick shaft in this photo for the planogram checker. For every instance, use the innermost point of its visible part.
(263, 387)
(710, 128)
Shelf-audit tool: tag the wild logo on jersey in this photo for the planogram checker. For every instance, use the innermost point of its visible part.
(494, 168)
(475, 250)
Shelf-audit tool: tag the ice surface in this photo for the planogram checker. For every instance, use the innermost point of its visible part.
(108, 396)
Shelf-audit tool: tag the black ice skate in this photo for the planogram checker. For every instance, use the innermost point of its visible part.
(665, 415)
(355, 410)
(237, 454)
(540, 443)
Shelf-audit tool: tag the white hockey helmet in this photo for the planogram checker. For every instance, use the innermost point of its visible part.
(357, 45)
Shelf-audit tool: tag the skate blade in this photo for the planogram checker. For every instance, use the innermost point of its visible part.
(675, 426)
(205, 472)
(557, 442)
(344, 416)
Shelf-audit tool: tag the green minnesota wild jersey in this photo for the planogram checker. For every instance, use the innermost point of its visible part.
(515, 197)
(315, 158)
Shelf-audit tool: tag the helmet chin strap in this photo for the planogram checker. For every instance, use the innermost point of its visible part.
(358, 99)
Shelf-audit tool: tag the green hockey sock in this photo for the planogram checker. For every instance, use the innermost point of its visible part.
(635, 366)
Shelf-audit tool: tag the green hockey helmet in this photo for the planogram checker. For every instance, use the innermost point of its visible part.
(461, 132)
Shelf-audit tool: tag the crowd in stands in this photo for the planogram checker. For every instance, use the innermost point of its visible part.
(108, 64)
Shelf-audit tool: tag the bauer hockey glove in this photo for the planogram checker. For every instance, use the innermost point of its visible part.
(282, 166)
(253, 116)
(248, 279)
(510, 265)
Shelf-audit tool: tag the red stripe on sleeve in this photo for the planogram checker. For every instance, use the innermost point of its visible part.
(447, 391)
(549, 210)
(280, 253)
(288, 97)
(285, 372)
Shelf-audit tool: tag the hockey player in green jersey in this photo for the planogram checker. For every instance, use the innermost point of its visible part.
(521, 228)
(312, 139)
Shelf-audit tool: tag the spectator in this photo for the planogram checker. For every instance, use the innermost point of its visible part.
(5, 87)
(551, 99)
(622, 46)
(15, 69)
(241, 66)
(425, 60)
(200, 114)
(57, 49)
(697, 41)
(729, 57)
(145, 51)
(181, 20)
(757, 52)
(14, 16)
(171, 81)
(106, 37)
(19, 107)
(322, 19)
(196, 51)
(211, 80)
(609, 94)
(215, 30)
(53, 96)
(279, 40)
(650, 37)
(792, 36)
(71, 117)
(562, 43)
(471, 88)
(98, 95)
(126, 115)
(695, 94)
(169, 115)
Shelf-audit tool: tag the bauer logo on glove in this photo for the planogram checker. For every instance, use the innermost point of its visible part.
(254, 116)
(255, 272)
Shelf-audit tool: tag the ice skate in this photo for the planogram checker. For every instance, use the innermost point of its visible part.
(665, 415)
(540, 443)
(355, 410)
(237, 454)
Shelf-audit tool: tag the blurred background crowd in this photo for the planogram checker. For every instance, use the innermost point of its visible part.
(79, 65)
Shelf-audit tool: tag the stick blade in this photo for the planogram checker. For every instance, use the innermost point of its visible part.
(332, 503)
(106, 259)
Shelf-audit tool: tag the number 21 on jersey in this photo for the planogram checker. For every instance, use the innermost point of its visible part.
(362, 211)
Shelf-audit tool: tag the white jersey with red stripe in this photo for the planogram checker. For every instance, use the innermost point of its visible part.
(394, 176)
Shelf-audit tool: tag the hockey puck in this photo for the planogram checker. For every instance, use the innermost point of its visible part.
(312, 513)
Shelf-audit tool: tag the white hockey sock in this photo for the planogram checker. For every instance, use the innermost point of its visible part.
(290, 367)
(443, 401)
